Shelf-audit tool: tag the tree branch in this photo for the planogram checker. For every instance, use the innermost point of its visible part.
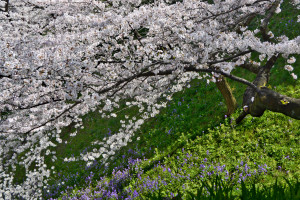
(264, 26)
(261, 80)
(276, 102)
(5, 76)
(192, 68)
(6, 6)
(50, 120)
(250, 67)
(230, 58)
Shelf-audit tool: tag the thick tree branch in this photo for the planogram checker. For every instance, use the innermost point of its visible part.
(5, 76)
(276, 102)
(249, 104)
(6, 6)
(192, 68)
(264, 26)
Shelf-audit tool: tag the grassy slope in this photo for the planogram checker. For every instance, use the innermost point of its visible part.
(184, 131)
(270, 142)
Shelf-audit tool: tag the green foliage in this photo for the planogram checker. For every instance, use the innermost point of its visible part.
(270, 140)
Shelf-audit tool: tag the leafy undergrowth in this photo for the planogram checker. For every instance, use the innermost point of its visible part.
(159, 134)
(257, 154)
(180, 155)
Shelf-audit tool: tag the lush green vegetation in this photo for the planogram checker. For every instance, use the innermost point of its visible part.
(259, 152)
(181, 148)
(191, 150)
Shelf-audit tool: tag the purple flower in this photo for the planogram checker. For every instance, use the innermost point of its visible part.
(172, 195)
(135, 194)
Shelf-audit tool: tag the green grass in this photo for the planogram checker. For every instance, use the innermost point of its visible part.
(271, 140)
(153, 135)
(266, 140)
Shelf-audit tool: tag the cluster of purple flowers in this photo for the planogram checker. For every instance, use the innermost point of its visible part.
(132, 182)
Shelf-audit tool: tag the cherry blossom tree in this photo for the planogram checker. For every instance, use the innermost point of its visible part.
(61, 59)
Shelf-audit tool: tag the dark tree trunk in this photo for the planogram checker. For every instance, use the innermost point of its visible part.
(273, 101)
(250, 104)
(255, 103)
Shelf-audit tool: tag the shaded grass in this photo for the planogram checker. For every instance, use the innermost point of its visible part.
(272, 139)
(152, 136)
(269, 144)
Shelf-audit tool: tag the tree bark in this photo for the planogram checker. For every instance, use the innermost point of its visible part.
(226, 91)
(273, 101)
(6, 6)
(256, 102)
